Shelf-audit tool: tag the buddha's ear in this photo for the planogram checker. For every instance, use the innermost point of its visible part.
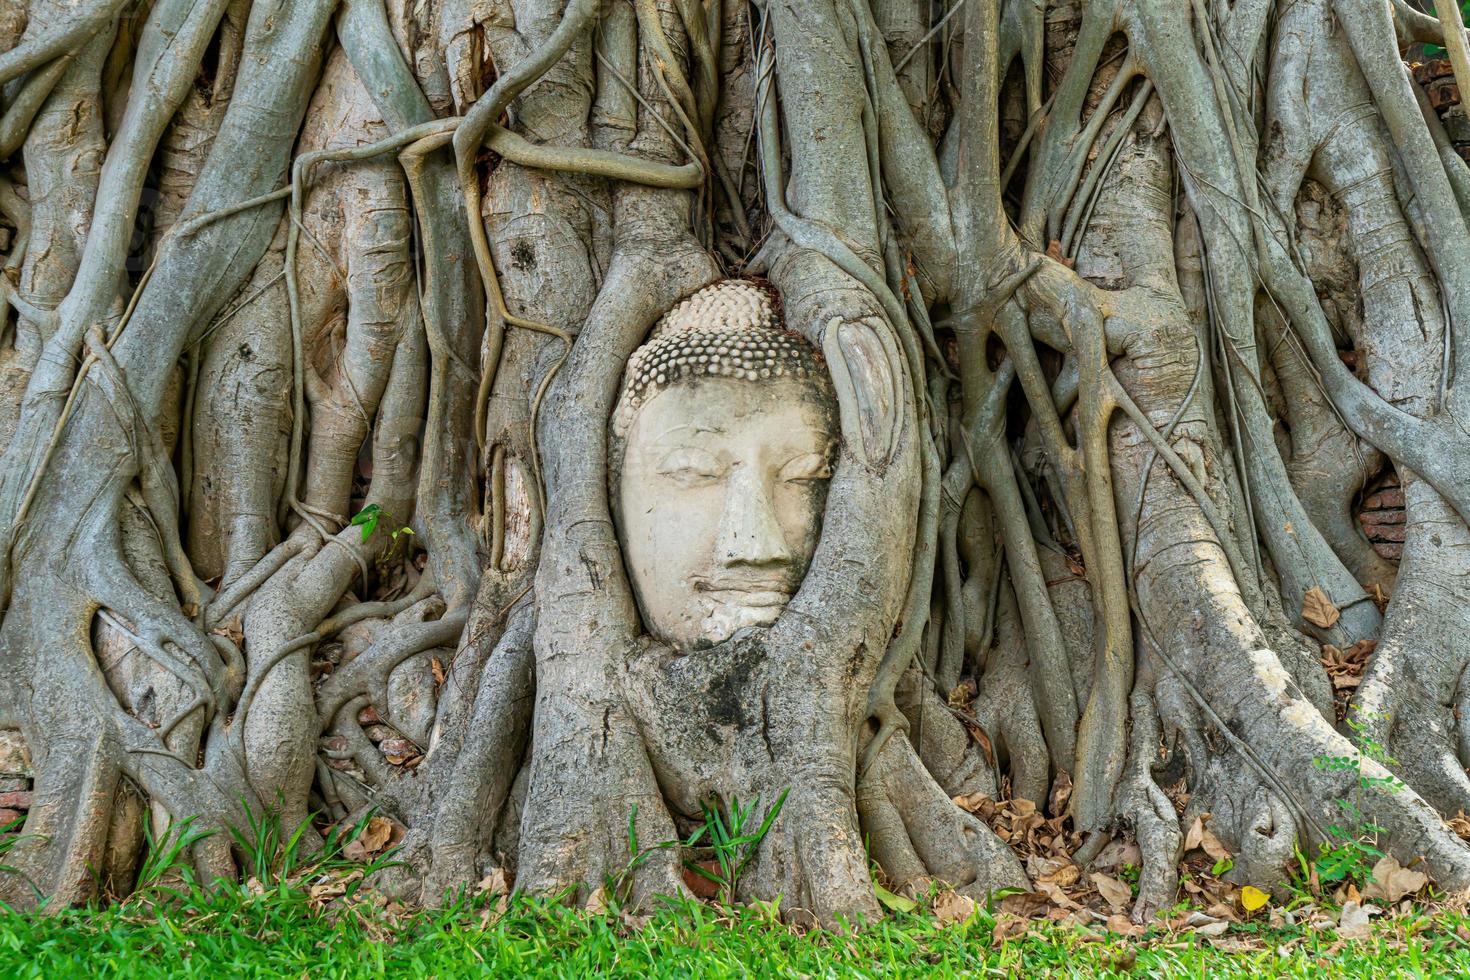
(866, 374)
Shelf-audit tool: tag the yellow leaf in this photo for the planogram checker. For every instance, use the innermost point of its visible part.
(1252, 898)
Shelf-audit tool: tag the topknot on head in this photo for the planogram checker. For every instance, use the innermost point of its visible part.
(729, 329)
(726, 306)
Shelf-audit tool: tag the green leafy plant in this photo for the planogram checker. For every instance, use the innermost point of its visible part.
(1350, 853)
(10, 836)
(732, 843)
(274, 859)
(371, 516)
(729, 838)
(1349, 857)
(166, 859)
(1434, 50)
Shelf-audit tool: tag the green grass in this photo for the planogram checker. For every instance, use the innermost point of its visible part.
(278, 933)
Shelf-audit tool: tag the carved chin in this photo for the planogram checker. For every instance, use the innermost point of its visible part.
(725, 619)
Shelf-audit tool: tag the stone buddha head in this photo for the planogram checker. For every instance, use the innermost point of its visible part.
(722, 445)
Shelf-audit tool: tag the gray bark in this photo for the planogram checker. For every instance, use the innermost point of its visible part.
(273, 265)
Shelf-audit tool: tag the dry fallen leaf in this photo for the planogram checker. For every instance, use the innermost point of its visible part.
(1058, 897)
(326, 891)
(1113, 891)
(438, 669)
(971, 802)
(1205, 925)
(1354, 921)
(1213, 847)
(1392, 881)
(951, 907)
(1008, 925)
(1119, 853)
(1200, 836)
(1061, 794)
(1194, 835)
(597, 901)
(1025, 904)
(1317, 609)
(494, 883)
(1057, 871)
(376, 834)
(1125, 926)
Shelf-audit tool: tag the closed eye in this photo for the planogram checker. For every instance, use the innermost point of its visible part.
(807, 468)
(690, 466)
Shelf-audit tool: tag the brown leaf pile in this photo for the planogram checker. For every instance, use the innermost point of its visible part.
(379, 834)
(1021, 825)
(1345, 670)
(1460, 824)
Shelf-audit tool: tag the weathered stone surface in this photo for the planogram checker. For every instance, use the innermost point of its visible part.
(15, 758)
(727, 435)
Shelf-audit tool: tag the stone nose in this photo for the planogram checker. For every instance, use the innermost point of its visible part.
(750, 533)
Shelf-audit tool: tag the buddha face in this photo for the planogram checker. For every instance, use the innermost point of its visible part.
(721, 494)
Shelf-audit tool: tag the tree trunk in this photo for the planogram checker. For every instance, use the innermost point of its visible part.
(321, 315)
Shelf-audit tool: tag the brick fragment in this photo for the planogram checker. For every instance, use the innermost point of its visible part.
(1388, 498)
(1427, 71)
(1386, 532)
(397, 747)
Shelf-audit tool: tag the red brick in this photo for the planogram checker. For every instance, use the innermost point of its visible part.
(15, 801)
(1427, 71)
(1386, 532)
(701, 886)
(368, 716)
(6, 816)
(1386, 499)
(1443, 94)
(397, 746)
(1381, 517)
(1391, 551)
